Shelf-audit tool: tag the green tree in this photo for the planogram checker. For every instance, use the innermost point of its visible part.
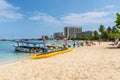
(101, 29)
(104, 35)
(113, 29)
(117, 22)
(96, 35)
(109, 30)
(46, 37)
(51, 36)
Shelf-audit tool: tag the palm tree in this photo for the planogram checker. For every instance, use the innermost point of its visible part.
(117, 22)
(51, 37)
(118, 19)
(101, 28)
(96, 35)
(114, 29)
(109, 30)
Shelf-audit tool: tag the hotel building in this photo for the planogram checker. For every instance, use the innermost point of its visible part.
(70, 32)
(58, 34)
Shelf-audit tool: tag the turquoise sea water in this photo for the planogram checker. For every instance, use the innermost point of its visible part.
(7, 53)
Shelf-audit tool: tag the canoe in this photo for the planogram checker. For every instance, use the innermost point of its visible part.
(39, 56)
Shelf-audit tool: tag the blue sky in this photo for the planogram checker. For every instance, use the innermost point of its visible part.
(34, 18)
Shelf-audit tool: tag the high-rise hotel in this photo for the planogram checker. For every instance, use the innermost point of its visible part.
(70, 32)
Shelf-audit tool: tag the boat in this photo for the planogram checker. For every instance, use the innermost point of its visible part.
(29, 46)
(45, 55)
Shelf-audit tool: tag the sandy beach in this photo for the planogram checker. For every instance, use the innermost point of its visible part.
(97, 62)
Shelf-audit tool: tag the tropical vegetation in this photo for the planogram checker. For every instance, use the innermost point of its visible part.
(109, 33)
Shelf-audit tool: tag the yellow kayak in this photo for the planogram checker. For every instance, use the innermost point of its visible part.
(38, 56)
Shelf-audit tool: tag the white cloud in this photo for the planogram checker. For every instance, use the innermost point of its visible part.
(8, 12)
(44, 18)
(87, 18)
(109, 6)
(96, 17)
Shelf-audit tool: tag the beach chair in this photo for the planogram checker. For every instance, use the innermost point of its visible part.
(115, 43)
(118, 45)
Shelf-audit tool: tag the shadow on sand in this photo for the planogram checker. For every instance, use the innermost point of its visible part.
(113, 47)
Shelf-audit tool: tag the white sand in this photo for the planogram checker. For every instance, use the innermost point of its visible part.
(83, 63)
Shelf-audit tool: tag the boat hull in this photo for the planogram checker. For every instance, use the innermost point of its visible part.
(19, 49)
(39, 56)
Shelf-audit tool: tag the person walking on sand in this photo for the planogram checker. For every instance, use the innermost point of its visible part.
(74, 44)
(99, 41)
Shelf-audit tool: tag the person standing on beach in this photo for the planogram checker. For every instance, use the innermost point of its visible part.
(99, 41)
(74, 44)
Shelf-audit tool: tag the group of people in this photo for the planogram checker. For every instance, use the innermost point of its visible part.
(78, 44)
(54, 48)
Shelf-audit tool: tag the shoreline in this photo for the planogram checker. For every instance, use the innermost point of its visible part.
(5, 63)
(28, 57)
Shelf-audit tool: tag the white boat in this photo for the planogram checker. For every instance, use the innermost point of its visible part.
(27, 46)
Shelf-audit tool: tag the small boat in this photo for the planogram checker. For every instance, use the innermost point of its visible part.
(29, 46)
(45, 55)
